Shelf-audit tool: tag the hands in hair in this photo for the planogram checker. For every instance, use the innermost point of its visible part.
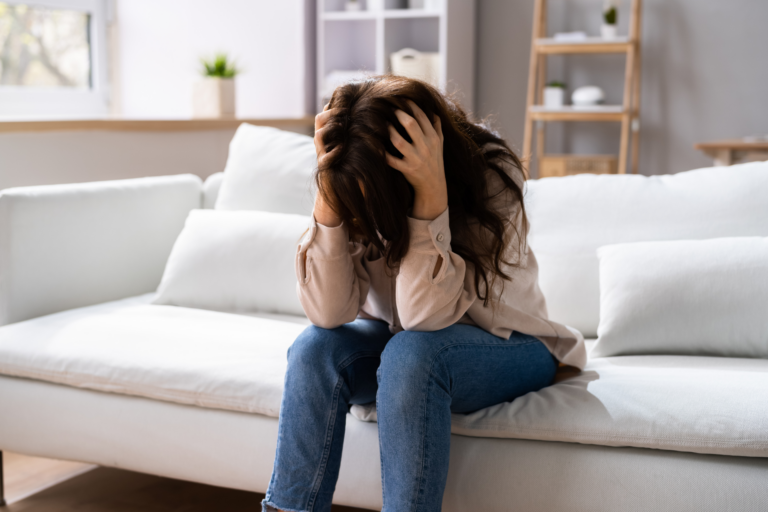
(422, 162)
(322, 212)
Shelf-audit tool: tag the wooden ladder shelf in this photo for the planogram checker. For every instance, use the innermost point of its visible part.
(627, 113)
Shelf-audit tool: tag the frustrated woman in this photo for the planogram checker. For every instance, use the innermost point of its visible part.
(421, 289)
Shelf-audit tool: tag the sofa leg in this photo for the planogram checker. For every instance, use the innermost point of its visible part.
(2, 484)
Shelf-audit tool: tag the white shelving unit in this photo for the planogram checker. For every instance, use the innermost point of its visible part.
(362, 41)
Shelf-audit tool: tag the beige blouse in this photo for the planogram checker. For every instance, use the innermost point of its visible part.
(340, 280)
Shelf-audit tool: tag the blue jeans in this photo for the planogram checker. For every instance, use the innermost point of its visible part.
(417, 380)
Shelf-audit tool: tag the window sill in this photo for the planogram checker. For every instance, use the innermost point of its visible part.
(304, 124)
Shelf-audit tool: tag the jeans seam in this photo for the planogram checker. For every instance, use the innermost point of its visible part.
(332, 424)
(327, 446)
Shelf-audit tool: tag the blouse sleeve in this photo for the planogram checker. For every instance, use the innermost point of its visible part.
(427, 301)
(332, 282)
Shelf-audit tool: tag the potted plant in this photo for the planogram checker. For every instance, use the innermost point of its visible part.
(214, 95)
(610, 17)
(554, 93)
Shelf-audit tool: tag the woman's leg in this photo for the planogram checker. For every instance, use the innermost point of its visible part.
(423, 378)
(327, 370)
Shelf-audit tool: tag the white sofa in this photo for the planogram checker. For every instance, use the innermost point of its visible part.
(90, 370)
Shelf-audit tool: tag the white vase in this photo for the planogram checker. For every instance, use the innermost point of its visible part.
(213, 98)
(375, 5)
(608, 31)
(553, 97)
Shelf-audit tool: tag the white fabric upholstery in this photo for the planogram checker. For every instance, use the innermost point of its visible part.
(698, 297)
(66, 246)
(681, 403)
(236, 450)
(234, 362)
(571, 217)
(211, 187)
(183, 355)
(268, 170)
(235, 261)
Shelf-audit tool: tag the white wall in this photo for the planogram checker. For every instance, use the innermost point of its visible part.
(161, 41)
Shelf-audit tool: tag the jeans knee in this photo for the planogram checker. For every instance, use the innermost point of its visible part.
(310, 347)
(410, 350)
(406, 367)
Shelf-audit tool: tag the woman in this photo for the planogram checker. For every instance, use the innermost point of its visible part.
(423, 293)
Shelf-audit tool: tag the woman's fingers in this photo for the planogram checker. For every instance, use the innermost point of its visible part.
(438, 126)
(320, 121)
(411, 126)
(322, 117)
(399, 142)
(396, 163)
(319, 144)
(426, 127)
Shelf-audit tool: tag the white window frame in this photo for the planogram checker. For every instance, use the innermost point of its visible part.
(18, 102)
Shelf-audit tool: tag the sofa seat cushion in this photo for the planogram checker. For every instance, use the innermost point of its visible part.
(217, 360)
(692, 404)
(709, 405)
(183, 355)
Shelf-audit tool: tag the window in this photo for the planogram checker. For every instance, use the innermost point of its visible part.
(52, 59)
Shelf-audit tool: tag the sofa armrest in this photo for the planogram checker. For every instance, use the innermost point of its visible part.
(68, 246)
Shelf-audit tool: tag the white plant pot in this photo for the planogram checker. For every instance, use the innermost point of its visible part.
(608, 31)
(375, 5)
(352, 6)
(213, 98)
(553, 97)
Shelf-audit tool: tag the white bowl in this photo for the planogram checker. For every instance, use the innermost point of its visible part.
(587, 96)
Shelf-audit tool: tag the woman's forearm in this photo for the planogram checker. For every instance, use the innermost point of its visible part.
(324, 214)
(428, 205)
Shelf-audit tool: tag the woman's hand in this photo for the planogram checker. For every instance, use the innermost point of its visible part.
(422, 162)
(322, 212)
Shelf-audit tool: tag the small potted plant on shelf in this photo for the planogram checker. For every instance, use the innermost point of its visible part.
(610, 17)
(214, 95)
(554, 93)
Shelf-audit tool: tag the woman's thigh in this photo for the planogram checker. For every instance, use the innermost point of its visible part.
(476, 368)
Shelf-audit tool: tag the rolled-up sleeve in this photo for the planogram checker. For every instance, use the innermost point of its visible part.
(332, 282)
(427, 301)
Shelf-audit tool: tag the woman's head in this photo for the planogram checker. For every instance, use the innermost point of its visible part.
(374, 199)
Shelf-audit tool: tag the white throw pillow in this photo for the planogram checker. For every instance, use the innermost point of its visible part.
(268, 170)
(693, 297)
(236, 262)
(571, 217)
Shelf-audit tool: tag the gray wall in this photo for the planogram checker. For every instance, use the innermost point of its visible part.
(704, 75)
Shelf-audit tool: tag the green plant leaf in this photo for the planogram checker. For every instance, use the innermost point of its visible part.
(610, 16)
(219, 67)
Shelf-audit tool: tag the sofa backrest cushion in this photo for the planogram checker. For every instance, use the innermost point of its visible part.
(68, 246)
(238, 262)
(571, 217)
(211, 187)
(268, 170)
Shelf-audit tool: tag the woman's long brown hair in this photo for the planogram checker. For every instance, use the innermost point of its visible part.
(359, 135)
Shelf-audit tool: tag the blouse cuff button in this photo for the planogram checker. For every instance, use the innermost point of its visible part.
(440, 237)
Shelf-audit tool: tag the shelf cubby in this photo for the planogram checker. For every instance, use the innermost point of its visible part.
(363, 40)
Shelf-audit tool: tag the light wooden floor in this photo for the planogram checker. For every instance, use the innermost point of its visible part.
(33, 484)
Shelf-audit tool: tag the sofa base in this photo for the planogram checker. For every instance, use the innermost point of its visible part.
(236, 450)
